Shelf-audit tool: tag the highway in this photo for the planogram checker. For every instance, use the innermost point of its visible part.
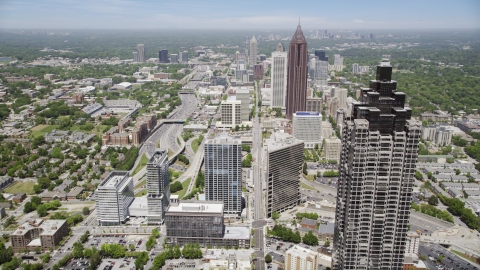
(166, 134)
(259, 222)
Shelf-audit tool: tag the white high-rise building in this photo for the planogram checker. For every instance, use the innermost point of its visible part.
(337, 60)
(341, 94)
(113, 197)
(376, 178)
(158, 186)
(279, 77)
(223, 172)
(253, 52)
(321, 72)
(141, 53)
(332, 149)
(413, 242)
(307, 127)
(243, 94)
(183, 57)
(230, 111)
(299, 258)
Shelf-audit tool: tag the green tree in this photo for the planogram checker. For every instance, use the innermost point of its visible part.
(310, 239)
(77, 250)
(433, 200)
(327, 243)
(42, 210)
(275, 215)
(305, 168)
(268, 258)
(155, 233)
(86, 210)
(132, 247)
(237, 128)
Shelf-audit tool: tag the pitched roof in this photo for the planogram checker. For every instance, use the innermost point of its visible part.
(298, 37)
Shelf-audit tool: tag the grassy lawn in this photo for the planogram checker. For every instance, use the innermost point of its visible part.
(185, 184)
(305, 186)
(174, 174)
(141, 193)
(143, 162)
(470, 258)
(195, 145)
(143, 183)
(310, 177)
(170, 152)
(41, 130)
(17, 187)
(100, 129)
(179, 163)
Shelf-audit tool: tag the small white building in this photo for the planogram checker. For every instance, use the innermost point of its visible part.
(307, 127)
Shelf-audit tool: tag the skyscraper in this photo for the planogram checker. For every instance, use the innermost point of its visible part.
(283, 159)
(279, 77)
(320, 54)
(223, 172)
(158, 186)
(114, 196)
(141, 52)
(174, 58)
(163, 56)
(377, 167)
(297, 73)
(135, 57)
(253, 52)
(183, 57)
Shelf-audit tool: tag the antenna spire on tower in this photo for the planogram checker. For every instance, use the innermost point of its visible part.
(298, 21)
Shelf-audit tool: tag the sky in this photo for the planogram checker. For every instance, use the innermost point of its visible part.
(244, 14)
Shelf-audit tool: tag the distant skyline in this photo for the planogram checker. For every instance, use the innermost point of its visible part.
(213, 14)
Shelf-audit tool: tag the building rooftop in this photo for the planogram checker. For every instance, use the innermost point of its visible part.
(114, 178)
(49, 226)
(236, 233)
(280, 140)
(301, 252)
(307, 114)
(196, 207)
(223, 138)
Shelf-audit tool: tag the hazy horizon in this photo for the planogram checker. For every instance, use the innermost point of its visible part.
(213, 15)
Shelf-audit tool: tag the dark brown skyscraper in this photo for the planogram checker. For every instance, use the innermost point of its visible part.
(297, 73)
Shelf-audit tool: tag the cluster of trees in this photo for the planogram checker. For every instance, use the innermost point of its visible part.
(151, 242)
(183, 159)
(459, 141)
(300, 216)
(433, 211)
(6, 254)
(35, 203)
(192, 251)
(474, 152)
(84, 237)
(457, 208)
(141, 260)
(112, 121)
(4, 112)
(310, 239)
(242, 127)
(246, 148)
(71, 219)
(130, 157)
(418, 175)
(286, 234)
(175, 186)
(247, 162)
(331, 173)
(168, 254)
(113, 250)
(187, 135)
(200, 180)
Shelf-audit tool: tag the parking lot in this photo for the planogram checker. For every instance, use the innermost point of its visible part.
(77, 265)
(125, 240)
(449, 261)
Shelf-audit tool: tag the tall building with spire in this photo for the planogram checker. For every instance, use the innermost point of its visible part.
(253, 52)
(279, 77)
(297, 73)
(377, 168)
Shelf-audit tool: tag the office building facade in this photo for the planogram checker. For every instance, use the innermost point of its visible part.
(244, 96)
(230, 111)
(377, 167)
(202, 223)
(307, 127)
(183, 57)
(283, 160)
(141, 53)
(174, 58)
(158, 186)
(163, 56)
(297, 74)
(223, 172)
(253, 52)
(279, 77)
(113, 197)
(258, 72)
